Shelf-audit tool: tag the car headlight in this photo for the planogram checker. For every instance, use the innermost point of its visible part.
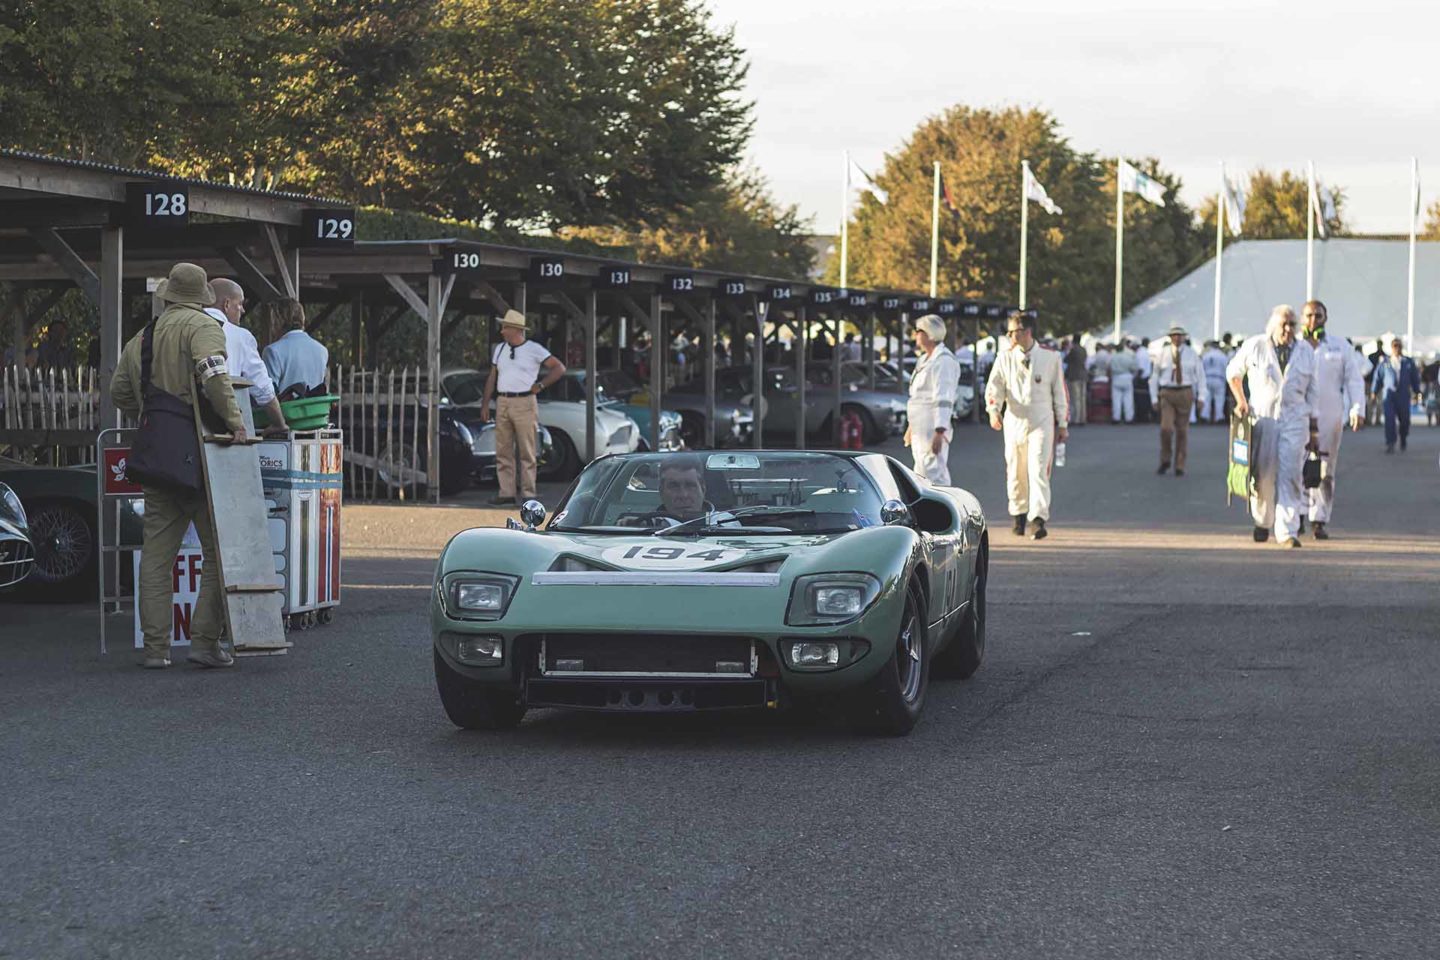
(475, 651)
(12, 509)
(480, 596)
(831, 598)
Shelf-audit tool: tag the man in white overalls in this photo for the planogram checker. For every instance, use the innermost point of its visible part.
(1339, 398)
(933, 387)
(1281, 372)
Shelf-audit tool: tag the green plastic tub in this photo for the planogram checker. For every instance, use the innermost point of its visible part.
(307, 413)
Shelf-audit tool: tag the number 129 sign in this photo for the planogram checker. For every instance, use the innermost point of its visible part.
(327, 228)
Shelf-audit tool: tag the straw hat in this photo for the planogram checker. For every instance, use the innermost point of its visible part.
(187, 283)
(1176, 328)
(513, 318)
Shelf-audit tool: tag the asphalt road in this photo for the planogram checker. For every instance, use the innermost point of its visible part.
(1182, 744)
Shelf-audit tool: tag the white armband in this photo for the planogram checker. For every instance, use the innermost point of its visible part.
(210, 366)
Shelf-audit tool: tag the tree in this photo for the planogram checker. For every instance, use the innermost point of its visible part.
(1431, 228)
(736, 227)
(1275, 208)
(1071, 256)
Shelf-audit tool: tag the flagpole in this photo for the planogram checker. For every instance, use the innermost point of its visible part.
(1410, 298)
(1119, 242)
(1219, 242)
(935, 233)
(1310, 233)
(845, 227)
(1024, 226)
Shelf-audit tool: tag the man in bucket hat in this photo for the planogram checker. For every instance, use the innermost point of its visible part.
(515, 366)
(188, 348)
(1178, 388)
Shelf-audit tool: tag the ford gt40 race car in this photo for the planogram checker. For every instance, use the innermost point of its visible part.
(679, 581)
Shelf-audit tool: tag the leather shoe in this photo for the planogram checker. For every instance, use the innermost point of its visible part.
(1290, 543)
(1164, 468)
(1261, 534)
(1318, 530)
(1020, 525)
(1179, 472)
(1040, 533)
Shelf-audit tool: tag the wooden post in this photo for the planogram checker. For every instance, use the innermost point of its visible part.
(112, 317)
(432, 357)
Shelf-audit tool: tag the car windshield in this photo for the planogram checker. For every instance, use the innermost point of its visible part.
(467, 387)
(766, 492)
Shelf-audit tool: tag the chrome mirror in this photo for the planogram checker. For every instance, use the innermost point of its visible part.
(532, 514)
(894, 512)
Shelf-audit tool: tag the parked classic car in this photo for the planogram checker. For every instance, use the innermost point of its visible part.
(839, 577)
(463, 389)
(614, 389)
(17, 553)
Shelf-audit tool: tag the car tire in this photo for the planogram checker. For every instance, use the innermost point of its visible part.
(476, 706)
(894, 699)
(965, 651)
(564, 460)
(66, 552)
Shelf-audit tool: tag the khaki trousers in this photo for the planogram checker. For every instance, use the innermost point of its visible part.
(167, 517)
(1175, 409)
(515, 425)
(1079, 400)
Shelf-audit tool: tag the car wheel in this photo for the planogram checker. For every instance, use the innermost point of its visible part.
(387, 469)
(564, 460)
(476, 706)
(66, 559)
(962, 656)
(894, 699)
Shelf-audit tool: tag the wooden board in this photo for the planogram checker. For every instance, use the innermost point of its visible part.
(237, 507)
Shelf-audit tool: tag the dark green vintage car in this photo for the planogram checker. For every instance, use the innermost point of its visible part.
(678, 582)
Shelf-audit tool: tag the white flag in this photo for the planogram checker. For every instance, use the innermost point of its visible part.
(1034, 191)
(879, 194)
(1234, 206)
(1324, 207)
(1133, 181)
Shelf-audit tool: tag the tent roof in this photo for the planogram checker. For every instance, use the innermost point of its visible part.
(1362, 282)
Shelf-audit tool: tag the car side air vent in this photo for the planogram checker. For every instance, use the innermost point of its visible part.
(764, 566)
(568, 564)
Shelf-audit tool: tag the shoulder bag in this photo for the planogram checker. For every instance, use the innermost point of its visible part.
(166, 449)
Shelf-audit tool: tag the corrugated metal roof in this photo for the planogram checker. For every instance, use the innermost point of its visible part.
(133, 172)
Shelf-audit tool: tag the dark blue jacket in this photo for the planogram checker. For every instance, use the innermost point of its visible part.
(1386, 379)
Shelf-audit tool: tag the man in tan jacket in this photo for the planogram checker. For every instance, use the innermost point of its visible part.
(188, 352)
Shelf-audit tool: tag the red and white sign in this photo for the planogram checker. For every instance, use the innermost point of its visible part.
(185, 590)
(116, 483)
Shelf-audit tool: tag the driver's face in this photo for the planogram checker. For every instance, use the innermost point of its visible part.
(682, 494)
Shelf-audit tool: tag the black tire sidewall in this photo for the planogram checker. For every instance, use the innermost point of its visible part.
(892, 715)
(78, 586)
(475, 706)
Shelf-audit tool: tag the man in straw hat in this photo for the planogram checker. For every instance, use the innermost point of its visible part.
(1026, 398)
(188, 353)
(1281, 372)
(515, 366)
(932, 401)
(1178, 388)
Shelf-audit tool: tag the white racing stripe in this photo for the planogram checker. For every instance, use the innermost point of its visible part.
(604, 578)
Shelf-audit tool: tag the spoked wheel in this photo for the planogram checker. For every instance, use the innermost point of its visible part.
(65, 554)
(967, 648)
(894, 699)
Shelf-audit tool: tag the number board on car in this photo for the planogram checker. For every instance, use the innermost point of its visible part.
(547, 269)
(680, 282)
(613, 278)
(157, 204)
(648, 556)
(333, 227)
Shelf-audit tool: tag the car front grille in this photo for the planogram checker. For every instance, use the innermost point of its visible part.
(16, 559)
(645, 655)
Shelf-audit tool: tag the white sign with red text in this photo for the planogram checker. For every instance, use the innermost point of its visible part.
(185, 588)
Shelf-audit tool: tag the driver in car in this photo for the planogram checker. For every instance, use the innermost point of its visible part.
(682, 496)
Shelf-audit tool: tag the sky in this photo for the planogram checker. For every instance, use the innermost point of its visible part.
(1355, 87)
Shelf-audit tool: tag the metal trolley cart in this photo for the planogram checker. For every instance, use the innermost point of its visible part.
(302, 479)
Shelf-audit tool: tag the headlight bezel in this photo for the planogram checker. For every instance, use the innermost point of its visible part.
(803, 608)
(12, 509)
(508, 584)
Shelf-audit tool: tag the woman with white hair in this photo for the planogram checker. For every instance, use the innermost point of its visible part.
(933, 387)
(1280, 369)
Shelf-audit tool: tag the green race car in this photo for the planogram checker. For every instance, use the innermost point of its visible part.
(678, 582)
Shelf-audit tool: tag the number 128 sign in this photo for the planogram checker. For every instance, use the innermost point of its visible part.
(163, 204)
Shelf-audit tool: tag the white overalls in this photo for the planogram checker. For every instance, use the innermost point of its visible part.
(933, 387)
(1282, 404)
(1031, 388)
(1340, 373)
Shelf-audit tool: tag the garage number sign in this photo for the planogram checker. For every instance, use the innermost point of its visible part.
(460, 262)
(329, 227)
(822, 297)
(157, 204)
(889, 303)
(547, 268)
(779, 293)
(680, 283)
(919, 306)
(649, 556)
(858, 299)
(613, 278)
(732, 288)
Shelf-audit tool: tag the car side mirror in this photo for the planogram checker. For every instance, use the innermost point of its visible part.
(532, 514)
(894, 513)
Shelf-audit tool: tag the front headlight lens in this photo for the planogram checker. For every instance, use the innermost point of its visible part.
(11, 507)
(831, 598)
(481, 596)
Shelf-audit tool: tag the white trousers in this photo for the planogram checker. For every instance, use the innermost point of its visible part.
(1279, 449)
(1322, 498)
(1215, 402)
(1122, 398)
(1029, 452)
(933, 467)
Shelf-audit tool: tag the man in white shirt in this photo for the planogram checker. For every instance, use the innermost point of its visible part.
(1214, 361)
(242, 355)
(515, 366)
(1281, 374)
(1339, 398)
(1178, 387)
(1028, 382)
(1144, 367)
(933, 387)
